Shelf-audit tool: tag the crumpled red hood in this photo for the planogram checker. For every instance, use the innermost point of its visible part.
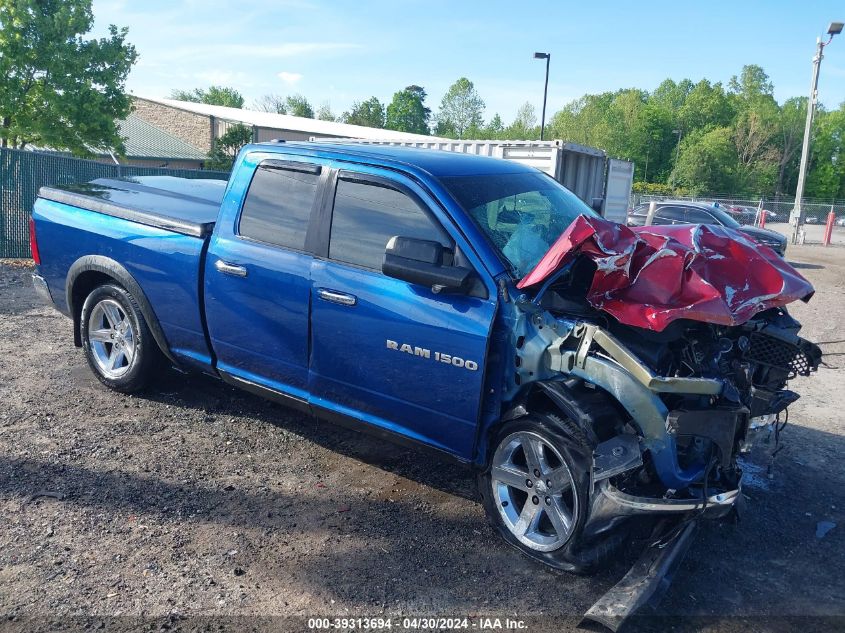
(651, 275)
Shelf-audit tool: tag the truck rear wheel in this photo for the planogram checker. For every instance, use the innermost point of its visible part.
(118, 344)
(535, 490)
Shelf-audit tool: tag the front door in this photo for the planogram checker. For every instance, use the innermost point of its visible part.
(395, 354)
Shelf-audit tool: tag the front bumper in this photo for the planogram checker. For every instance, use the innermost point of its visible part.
(612, 501)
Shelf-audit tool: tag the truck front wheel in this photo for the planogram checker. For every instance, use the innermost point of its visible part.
(118, 344)
(535, 489)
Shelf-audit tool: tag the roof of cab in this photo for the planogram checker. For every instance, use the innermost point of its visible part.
(437, 163)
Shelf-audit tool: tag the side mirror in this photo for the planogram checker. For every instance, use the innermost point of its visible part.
(597, 204)
(421, 262)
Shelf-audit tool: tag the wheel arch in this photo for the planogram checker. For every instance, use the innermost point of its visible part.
(591, 410)
(91, 271)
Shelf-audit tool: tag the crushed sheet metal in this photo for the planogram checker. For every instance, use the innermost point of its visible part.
(650, 276)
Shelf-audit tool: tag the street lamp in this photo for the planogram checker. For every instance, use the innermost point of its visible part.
(547, 57)
(797, 215)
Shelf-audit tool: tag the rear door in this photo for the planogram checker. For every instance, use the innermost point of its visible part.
(392, 353)
(257, 281)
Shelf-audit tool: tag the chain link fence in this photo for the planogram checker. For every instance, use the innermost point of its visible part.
(23, 173)
(748, 211)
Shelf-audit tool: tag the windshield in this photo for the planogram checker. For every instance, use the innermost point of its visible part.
(522, 214)
(724, 217)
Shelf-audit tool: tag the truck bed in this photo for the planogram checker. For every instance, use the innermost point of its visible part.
(189, 207)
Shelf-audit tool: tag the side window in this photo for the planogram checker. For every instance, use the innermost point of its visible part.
(278, 205)
(366, 215)
(696, 216)
(669, 215)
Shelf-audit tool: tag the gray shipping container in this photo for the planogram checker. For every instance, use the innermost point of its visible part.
(586, 171)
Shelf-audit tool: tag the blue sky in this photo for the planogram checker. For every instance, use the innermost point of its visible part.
(339, 52)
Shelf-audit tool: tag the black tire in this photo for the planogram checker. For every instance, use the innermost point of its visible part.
(146, 358)
(571, 444)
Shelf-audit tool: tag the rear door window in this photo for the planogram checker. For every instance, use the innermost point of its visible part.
(278, 204)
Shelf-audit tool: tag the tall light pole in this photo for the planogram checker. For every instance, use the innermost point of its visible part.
(547, 57)
(797, 215)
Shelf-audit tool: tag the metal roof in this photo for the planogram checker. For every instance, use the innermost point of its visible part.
(143, 140)
(288, 122)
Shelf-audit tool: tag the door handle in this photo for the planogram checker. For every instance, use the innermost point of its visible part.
(340, 298)
(230, 269)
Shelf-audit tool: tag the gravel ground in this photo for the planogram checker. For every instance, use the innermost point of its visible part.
(197, 500)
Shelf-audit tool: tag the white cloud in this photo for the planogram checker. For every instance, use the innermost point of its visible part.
(289, 78)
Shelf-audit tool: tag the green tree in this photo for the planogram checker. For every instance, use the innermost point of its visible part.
(57, 88)
(494, 129)
(324, 113)
(369, 113)
(297, 105)
(706, 106)
(226, 147)
(461, 110)
(826, 175)
(707, 161)
(790, 135)
(755, 136)
(407, 112)
(751, 82)
(524, 126)
(213, 95)
(671, 95)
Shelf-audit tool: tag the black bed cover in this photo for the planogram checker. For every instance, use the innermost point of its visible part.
(182, 205)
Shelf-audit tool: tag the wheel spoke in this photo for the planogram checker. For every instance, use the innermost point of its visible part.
(510, 476)
(560, 517)
(560, 480)
(116, 359)
(532, 448)
(527, 518)
(112, 314)
(103, 336)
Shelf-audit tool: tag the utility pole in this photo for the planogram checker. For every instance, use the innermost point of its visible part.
(797, 215)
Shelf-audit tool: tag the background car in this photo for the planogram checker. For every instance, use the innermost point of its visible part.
(672, 212)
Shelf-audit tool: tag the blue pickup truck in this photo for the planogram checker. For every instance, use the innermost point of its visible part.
(470, 305)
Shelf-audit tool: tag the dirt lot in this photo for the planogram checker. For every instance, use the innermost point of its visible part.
(198, 500)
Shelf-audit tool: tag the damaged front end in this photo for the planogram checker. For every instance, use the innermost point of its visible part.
(687, 394)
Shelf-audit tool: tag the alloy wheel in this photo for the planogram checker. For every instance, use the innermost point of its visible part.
(534, 491)
(112, 338)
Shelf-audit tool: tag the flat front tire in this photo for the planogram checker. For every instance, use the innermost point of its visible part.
(117, 341)
(535, 489)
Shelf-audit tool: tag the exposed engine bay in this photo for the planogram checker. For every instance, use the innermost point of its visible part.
(687, 396)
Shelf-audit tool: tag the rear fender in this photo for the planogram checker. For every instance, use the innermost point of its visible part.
(90, 271)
